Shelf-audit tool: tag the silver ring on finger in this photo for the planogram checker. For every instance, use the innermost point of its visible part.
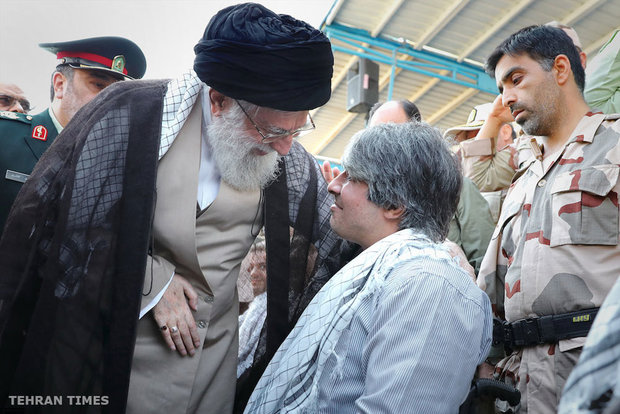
(174, 329)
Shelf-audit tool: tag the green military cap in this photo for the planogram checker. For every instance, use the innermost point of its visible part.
(116, 55)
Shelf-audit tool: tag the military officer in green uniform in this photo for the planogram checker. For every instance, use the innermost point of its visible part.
(12, 99)
(86, 67)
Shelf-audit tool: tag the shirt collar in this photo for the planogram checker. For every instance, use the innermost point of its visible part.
(59, 127)
(586, 128)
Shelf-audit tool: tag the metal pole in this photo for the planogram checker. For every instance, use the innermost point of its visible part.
(392, 76)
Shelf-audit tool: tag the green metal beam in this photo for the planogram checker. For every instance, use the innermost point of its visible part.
(424, 62)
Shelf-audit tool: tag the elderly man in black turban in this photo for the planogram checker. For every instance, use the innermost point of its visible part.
(121, 254)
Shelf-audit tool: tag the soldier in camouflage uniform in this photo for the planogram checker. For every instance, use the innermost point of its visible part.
(492, 157)
(488, 162)
(490, 166)
(555, 248)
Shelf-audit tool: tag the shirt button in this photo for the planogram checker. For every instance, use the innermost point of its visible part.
(542, 183)
(208, 298)
(201, 324)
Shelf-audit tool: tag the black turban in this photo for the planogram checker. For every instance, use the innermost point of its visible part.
(248, 52)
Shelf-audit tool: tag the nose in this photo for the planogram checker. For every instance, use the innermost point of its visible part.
(17, 107)
(253, 271)
(508, 97)
(336, 184)
(283, 145)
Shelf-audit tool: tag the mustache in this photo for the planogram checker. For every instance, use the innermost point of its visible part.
(516, 107)
(265, 148)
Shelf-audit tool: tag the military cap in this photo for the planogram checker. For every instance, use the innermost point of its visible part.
(116, 55)
(475, 120)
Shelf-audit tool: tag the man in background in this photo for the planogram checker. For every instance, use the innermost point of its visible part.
(12, 99)
(602, 89)
(490, 173)
(488, 153)
(85, 68)
(251, 322)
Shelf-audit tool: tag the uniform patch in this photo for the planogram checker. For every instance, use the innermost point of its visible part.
(39, 132)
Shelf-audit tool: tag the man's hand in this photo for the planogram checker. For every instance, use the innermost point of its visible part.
(500, 112)
(328, 173)
(485, 370)
(173, 314)
(498, 116)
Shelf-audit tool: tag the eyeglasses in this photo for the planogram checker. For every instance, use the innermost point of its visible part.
(268, 138)
(8, 101)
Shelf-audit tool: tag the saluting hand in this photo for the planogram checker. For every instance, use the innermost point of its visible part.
(500, 112)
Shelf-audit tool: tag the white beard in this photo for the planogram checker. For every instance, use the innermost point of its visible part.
(232, 149)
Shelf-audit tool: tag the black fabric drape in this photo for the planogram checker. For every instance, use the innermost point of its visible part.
(313, 257)
(73, 255)
(277, 239)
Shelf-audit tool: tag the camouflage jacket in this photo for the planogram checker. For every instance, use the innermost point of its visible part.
(493, 170)
(489, 169)
(555, 248)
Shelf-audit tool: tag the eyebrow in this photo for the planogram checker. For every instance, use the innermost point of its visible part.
(508, 74)
(276, 130)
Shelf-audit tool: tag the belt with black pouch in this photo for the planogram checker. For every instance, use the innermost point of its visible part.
(544, 330)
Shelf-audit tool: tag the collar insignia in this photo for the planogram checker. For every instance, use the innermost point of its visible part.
(8, 114)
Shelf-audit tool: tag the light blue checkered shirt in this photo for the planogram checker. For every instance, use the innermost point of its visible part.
(412, 344)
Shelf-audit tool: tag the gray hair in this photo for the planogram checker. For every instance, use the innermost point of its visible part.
(407, 165)
(67, 71)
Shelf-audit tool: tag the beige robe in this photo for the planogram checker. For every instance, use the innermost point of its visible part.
(206, 248)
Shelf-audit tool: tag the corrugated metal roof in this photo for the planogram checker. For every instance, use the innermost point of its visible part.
(464, 30)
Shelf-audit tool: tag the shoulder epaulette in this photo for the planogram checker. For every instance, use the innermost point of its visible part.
(16, 116)
(612, 117)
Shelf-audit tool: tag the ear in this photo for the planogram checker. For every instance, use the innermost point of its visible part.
(584, 58)
(218, 102)
(562, 69)
(393, 213)
(59, 82)
(504, 137)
